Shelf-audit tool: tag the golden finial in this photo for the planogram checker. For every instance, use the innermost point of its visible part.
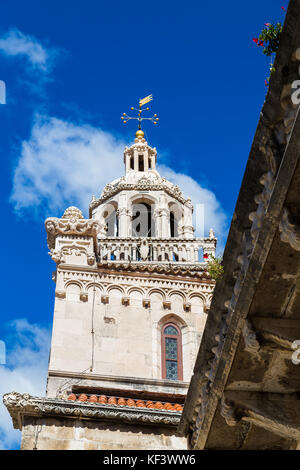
(139, 118)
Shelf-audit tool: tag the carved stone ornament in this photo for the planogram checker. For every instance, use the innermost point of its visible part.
(71, 223)
(18, 405)
(289, 233)
(251, 343)
(144, 249)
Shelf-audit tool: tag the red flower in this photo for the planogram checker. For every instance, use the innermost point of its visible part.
(267, 24)
(261, 43)
(282, 8)
(266, 82)
(255, 40)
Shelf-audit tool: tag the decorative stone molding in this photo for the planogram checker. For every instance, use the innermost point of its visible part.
(289, 233)
(262, 199)
(20, 405)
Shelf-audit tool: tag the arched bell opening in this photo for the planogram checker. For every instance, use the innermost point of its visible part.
(142, 219)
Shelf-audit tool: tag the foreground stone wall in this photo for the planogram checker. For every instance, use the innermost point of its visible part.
(69, 434)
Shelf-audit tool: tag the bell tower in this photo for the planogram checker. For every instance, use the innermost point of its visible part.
(131, 299)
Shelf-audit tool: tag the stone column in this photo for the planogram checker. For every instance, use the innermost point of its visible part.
(152, 162)
(188, 220)
(157, 221)
(165, 223)
(136, 160)
(127, 162)
(146, 164)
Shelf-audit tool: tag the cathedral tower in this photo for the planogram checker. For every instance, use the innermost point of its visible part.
(131, 300)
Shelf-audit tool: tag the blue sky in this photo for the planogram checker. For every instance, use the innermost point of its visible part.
(71, 69)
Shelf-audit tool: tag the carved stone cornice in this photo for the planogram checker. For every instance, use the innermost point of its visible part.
(143, 185)
(20, 405)
(188, 269)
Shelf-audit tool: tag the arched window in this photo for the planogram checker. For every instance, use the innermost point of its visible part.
(171, 352)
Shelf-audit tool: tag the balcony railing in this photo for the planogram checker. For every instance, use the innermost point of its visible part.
(154, 250)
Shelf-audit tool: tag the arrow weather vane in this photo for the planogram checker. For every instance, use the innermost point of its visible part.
(140, 109)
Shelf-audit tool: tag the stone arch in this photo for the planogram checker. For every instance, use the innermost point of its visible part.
(73, 291)
(176, 218)
(156, 290)
(75, 282)
(115, 287)
(197, 301)
(142, 208)
(110, 215)
(136, 289)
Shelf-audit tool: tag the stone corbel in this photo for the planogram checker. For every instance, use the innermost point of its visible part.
(146, 303)
(84, 297)
(126, 301)
(278, 413)
(187, 306)
(60, 294)
(105, 299)
(167, 305)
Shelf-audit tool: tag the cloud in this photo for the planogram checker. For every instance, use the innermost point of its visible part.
(208, 212)
(16, 44)
(64, 164)
(25, 371)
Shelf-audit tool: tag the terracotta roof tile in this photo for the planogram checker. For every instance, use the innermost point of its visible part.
(130, 402)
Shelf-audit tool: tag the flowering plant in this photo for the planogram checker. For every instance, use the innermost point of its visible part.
(215, 268)
(269, 38)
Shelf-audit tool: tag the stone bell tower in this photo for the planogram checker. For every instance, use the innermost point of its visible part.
(131, 300)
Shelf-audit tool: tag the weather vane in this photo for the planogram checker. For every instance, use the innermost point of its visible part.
(140, 109)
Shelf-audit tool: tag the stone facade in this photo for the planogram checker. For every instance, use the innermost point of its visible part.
(124, 274)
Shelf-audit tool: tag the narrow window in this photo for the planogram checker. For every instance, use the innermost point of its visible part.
(141, 162)
(173, 225)
(171, 352)
(132, 163)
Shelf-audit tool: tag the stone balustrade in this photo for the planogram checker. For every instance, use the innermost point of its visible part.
(154, 250)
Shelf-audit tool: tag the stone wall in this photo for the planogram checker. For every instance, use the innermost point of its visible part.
(127, 331)
(69, 434)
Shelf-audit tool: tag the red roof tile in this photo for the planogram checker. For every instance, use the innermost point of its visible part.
(120, 401)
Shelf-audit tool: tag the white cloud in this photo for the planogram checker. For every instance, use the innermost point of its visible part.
(25, 371)
(204, 202)
(15, 43)
(64, 164)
